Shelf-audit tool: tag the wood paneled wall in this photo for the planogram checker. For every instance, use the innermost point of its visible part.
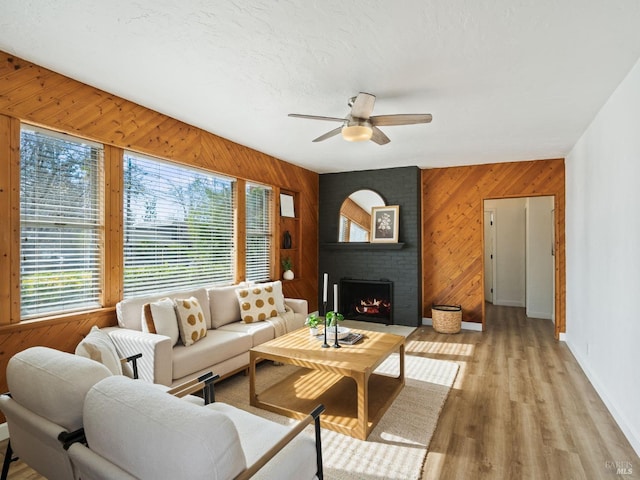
(452, 229)
(356, 214)
(39, 96)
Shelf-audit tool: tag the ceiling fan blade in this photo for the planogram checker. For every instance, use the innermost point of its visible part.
(330, 134)
(400, 119)
(379, 137)
(363, 105)
(317, 117)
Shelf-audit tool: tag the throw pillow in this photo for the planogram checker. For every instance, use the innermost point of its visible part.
(98, 346)
(160, 317)
(257, 303)
(279, 296)
(277, 293)
(224, 305)
(190, 320)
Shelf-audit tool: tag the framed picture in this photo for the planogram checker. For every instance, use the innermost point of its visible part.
(384, 224)
(286, 205)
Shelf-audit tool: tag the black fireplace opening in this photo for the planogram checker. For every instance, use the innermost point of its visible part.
(367, 300)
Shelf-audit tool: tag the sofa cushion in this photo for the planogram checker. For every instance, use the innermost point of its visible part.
(224, 305)
(151, 434)
(277, 293)
(256, 303)
(53, 384)
(190, 320)
(160, 317)
(257, 435)
(260, 332)
(277, 288)
(98, 346)
(130, 311)
(216, 347)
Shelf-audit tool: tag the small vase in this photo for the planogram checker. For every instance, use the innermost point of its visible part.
(313, 331)
(288, 275)
(286, 240)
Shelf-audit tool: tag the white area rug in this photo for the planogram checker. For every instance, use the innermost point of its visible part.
(379, 327)
(397, 447)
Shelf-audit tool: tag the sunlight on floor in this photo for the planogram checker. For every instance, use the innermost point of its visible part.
(445, 350)
(452, 350)
(311, 384)
(435, 461)
(440, 348)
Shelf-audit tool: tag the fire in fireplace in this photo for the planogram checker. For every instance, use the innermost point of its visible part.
(367, 300)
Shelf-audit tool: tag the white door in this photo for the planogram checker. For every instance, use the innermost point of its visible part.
(489, 253)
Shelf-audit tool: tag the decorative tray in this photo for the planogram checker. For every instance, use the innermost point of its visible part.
(349, 339)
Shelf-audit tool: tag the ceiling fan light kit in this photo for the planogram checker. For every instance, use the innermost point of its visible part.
(357, 133)
(359, 125)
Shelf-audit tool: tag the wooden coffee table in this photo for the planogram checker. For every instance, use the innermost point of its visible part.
(340, 378)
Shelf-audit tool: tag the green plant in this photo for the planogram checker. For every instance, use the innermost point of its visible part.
(333, 318)
(313, 320)
(287, 263)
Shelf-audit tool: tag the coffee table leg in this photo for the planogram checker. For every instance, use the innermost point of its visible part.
(362, 383)
(253, 398)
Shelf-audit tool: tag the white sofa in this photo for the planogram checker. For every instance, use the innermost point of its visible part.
(225, 348)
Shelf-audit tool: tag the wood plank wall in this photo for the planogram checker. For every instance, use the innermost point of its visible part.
(452, 229)
(356, 214)
(39, 96)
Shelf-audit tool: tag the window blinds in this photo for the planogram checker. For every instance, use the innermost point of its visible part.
(178, 227)
(259, 232)
(343, 233)
(60, 222)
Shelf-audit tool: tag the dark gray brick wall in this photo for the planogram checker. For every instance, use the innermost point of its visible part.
(398, 186)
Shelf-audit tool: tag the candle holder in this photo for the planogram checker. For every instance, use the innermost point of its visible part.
(335, 343)
(333, 318)
(324, 309)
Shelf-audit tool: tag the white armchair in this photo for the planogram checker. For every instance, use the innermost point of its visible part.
(44, 410)
(48, 388)
(134, 431)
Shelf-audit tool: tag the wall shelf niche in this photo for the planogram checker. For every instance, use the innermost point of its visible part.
(289, 224)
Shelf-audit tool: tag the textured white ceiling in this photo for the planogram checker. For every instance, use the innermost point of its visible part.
(505, 80)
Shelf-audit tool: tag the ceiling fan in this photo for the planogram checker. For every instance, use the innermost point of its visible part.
(359, 125)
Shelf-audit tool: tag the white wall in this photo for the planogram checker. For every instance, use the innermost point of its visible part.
(540, 261)
(603, 254)
(510, 251)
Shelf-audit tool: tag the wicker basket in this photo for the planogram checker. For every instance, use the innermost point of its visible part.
(446, 318)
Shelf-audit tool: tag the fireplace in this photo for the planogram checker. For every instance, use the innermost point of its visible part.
(367, 300)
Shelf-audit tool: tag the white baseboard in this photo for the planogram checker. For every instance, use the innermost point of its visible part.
(477, 327)
(509, 303)
(541, 315)
(623, 423)
(4, 431)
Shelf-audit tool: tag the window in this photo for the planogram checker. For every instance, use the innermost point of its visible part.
(60, 223)
(178, 227)
(259, 226)
(350, 231)
(357, 233)
(343, 233)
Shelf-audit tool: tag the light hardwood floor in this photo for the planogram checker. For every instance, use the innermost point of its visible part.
(521, 408)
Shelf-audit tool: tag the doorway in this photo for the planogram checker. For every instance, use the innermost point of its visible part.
(519, 263)
(489, 257)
